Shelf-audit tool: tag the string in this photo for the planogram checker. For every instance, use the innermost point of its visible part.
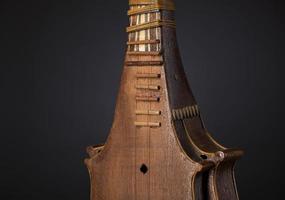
(149, 136)
(152, 33)
(135, 48)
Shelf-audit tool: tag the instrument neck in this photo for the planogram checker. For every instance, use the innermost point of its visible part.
(169, 3)
(145, 22)
(152, 35)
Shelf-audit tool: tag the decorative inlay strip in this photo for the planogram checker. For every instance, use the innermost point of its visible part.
(147, 53)
(148, 112)
(143, 63)
(154, 24)
(186, 112)
(149, 87)
(148, 124)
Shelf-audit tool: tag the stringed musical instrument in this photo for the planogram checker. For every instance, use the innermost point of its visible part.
(158, 146)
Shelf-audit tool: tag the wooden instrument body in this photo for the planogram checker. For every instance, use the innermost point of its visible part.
(116, 171)
(158, 147)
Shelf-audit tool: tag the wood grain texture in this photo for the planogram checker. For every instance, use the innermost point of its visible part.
(151, 153)
(115, 171)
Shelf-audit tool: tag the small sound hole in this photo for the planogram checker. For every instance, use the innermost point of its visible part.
(143, 169)
(204, 157)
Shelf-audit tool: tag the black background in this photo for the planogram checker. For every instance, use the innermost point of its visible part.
(60, 69)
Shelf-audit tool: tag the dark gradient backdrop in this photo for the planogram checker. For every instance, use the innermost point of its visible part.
(60, 70)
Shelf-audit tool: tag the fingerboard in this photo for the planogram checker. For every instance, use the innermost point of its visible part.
(146, 40)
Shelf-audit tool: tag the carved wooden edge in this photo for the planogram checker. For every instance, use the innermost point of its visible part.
(234, 179)
(226, 168)
(219, 156)
(221, 159)
(204, 165)
(94, 150)
(229, 153)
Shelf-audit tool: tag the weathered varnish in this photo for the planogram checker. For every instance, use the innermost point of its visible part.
(158, 147)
